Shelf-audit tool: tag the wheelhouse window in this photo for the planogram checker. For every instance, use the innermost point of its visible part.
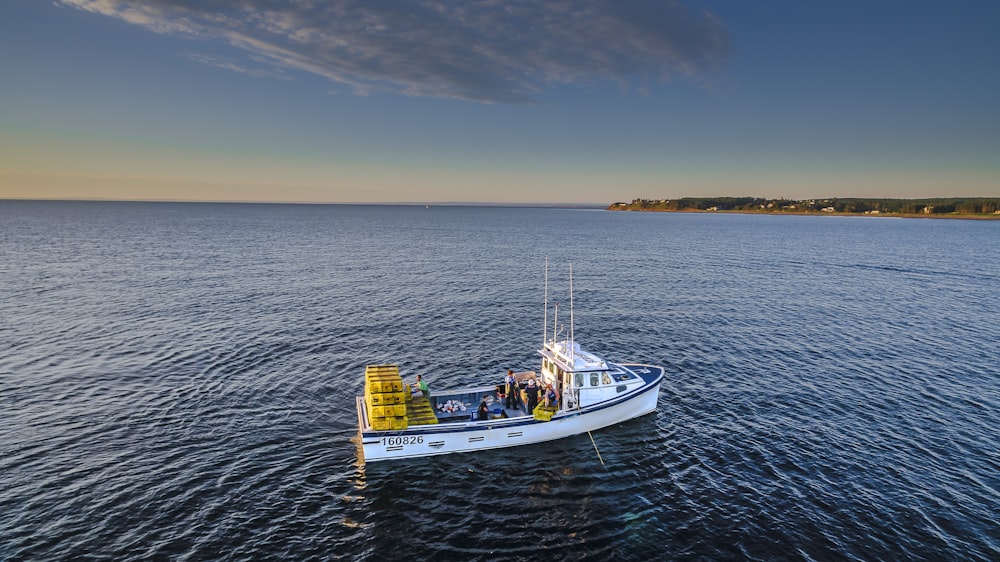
(594, 380)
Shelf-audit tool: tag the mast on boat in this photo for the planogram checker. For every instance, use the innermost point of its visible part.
(572, 336)
(555, 323)
(545, 304)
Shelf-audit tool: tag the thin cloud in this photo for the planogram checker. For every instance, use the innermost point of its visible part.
(488, 51)
(231, 65)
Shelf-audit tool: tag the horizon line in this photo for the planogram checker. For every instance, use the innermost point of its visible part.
(277, 202)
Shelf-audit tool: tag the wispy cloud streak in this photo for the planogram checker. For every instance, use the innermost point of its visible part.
(488, 51)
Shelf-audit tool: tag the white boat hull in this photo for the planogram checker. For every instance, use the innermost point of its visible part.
(469, 436)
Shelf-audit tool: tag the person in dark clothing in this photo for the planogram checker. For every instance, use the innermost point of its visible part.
(532, 391)
(484, 411)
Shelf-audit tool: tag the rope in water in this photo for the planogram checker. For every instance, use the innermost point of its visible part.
(596, 449)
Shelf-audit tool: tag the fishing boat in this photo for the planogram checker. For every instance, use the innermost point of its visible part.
(585, 392)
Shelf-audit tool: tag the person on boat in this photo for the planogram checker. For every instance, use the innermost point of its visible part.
(512, 390)
(483, 413)
(551, 396)
(420, 388)
(532, 393)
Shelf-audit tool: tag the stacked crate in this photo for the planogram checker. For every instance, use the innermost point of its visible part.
(385, 397)
(420, 412)
(541, 413)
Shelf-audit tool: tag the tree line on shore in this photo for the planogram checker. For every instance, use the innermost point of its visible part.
(933, 206)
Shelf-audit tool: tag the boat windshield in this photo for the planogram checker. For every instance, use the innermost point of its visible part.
(601, 378)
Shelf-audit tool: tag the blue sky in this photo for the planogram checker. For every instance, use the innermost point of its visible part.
(497, 102)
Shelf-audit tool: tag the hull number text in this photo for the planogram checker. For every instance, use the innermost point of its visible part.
(405, 440)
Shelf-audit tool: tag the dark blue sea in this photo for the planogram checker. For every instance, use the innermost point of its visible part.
(177, 382)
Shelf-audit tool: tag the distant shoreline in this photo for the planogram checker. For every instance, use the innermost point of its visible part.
(979, 208)
(815, 214)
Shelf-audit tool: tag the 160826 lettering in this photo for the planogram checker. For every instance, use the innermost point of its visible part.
(404, 440)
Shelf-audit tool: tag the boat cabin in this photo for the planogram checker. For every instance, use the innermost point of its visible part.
(582, 378)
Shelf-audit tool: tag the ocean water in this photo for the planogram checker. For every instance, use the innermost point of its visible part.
(177, 381)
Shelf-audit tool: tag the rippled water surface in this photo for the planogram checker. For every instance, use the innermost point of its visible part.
(177, 382)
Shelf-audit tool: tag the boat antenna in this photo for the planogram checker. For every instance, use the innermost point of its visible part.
(572, 338)
(555, 324)
(545, 303)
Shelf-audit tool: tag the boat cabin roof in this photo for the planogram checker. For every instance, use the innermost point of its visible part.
(570, 357)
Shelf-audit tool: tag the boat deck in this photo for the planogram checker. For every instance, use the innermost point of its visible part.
(420, 411)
